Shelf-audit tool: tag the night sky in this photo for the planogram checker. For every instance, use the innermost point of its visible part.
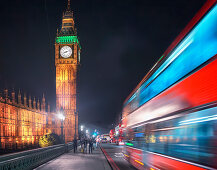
(121, 40)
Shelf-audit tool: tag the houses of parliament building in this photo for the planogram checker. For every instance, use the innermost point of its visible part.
(24, 120)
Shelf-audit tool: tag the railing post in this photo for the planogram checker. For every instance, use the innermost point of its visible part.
(66, 148)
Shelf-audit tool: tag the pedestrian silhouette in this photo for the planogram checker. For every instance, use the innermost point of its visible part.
(75, 145)
(90, 146)
(85, 145)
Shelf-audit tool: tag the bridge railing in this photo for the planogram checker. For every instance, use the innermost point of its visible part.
(33, 158)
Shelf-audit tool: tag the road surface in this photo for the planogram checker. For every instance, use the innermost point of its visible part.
(114, 155)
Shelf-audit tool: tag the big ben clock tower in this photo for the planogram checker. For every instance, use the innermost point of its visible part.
(67, 60)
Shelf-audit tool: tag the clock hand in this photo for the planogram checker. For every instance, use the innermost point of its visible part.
(66, 52)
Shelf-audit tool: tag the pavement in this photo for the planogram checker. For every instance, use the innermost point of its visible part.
(78, 161)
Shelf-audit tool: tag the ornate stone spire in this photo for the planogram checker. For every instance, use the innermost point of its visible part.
(25, 100)
(43, 103)
(13, 96)
(68, 7)
(34, 103)
(19, 98)
(38, 105)
(67, 28)
(30, 102)
(6, 94)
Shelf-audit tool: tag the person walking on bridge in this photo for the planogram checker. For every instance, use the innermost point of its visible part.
(75, 145)
(90, 146)
(85, 145)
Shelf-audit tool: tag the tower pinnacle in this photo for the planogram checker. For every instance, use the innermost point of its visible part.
(68, 7)
(67, 23)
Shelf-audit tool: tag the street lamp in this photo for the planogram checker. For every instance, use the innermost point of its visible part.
(82, 131)
(61, 116)
(82, 127)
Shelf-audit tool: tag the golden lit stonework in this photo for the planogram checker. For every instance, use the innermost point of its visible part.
(67, 59)
(22, 124)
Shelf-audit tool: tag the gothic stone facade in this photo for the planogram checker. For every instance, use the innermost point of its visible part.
(22, 123)
(67, 59)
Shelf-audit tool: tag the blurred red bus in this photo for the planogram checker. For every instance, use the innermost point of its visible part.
(171, 117)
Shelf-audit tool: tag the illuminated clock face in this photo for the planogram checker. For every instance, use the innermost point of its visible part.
(66, 51)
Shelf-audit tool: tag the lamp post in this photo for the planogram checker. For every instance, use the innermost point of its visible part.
(75, 136)
(82, 128)
(61, 116)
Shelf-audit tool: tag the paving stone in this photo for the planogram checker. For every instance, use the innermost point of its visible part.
(78, 161)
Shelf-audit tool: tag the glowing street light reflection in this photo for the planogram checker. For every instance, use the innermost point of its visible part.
(82, 127)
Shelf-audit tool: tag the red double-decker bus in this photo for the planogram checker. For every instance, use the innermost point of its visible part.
(171, 117)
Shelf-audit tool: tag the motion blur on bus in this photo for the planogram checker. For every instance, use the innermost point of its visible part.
(170, 119)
